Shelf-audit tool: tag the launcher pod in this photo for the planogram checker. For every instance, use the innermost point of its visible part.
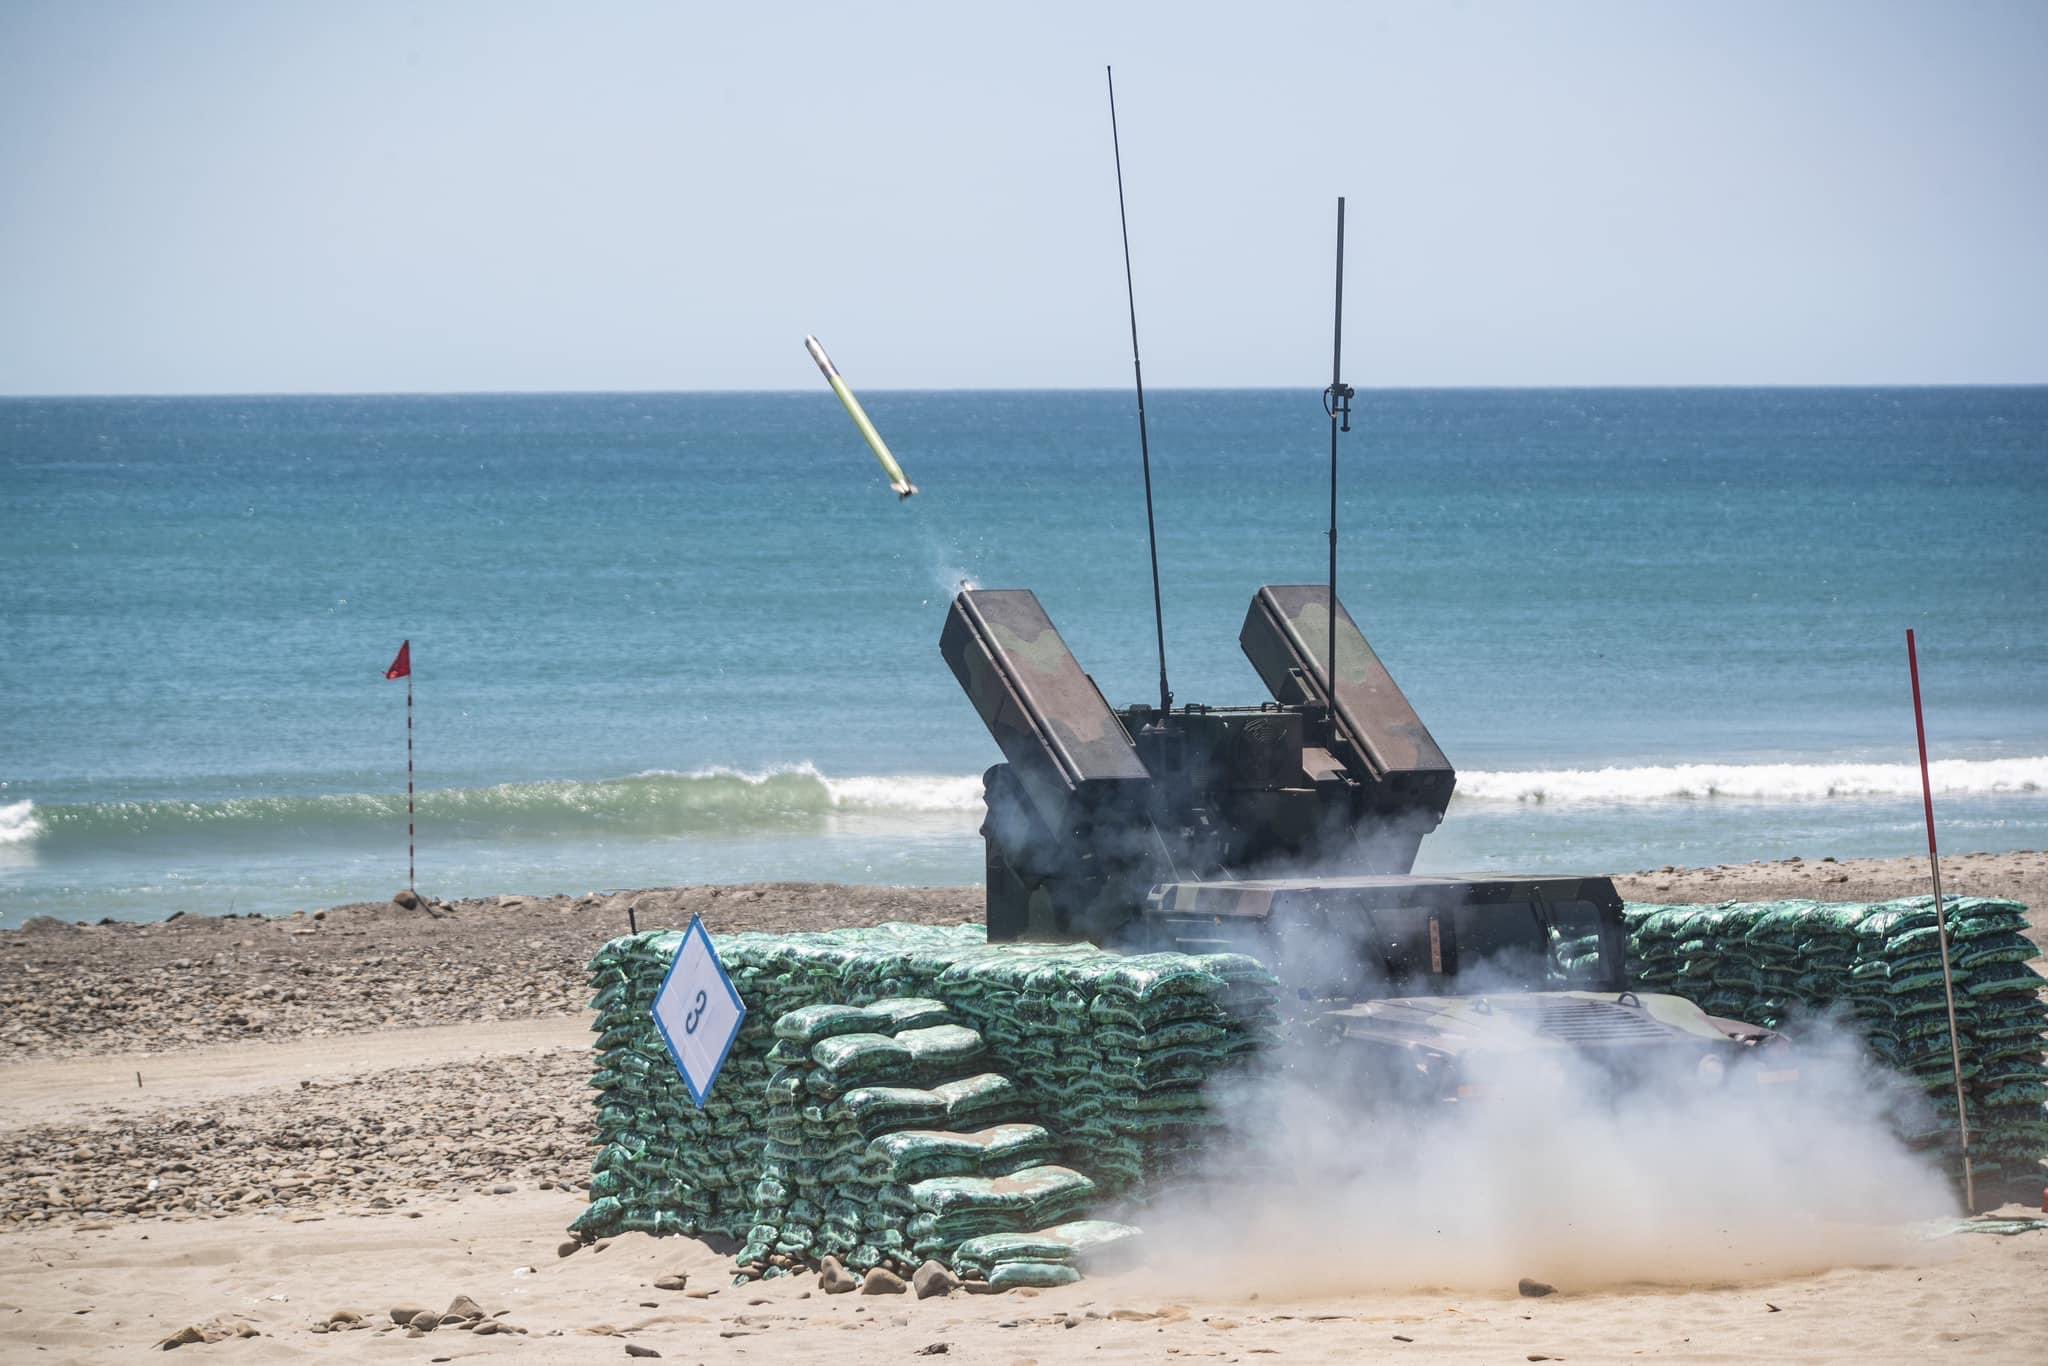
(1095, 807)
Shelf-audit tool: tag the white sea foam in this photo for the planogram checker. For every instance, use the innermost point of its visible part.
(18, 823)
(896, 792)
(911, 792)
(1757, 782)
(930, 792)
(1653, 783)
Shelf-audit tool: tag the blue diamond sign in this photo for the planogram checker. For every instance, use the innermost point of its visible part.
(698, 1011)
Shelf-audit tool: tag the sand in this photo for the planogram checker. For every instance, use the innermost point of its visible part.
(111, 1292)
(363, 1107)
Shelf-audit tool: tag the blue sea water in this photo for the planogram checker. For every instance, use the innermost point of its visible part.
(666, 638)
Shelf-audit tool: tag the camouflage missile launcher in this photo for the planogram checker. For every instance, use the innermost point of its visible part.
(1095, 807)
(1288, 829)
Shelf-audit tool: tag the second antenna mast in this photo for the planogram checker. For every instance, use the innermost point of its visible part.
(1337, 403)
(1138, 372)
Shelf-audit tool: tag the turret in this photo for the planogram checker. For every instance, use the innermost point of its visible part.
(1335, 775)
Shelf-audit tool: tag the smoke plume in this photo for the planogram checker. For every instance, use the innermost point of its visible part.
(1552, 1172)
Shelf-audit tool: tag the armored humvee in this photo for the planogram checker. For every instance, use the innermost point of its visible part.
(1288, 829)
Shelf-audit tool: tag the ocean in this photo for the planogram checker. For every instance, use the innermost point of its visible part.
(692, 637)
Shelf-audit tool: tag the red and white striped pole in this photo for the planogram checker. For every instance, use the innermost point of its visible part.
(411, 873)
(401, 667)
(1948, 981)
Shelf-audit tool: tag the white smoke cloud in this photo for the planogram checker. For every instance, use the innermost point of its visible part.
(1553, 1174)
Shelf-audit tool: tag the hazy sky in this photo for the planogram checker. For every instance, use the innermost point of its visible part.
(395, 197)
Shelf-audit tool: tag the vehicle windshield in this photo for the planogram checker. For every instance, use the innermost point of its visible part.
(1502, 948)
(1511, 946)
(1357, 949)
(1575, 946)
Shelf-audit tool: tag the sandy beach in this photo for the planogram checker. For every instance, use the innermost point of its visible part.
(285, 1126)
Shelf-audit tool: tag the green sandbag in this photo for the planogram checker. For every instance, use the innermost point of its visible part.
(1158, 1013)
(1923, 978)
(1147, 977)
(935, 1235)
(979, 1256)
(813, 1024)
(877, 1109)
(918, 1154)
(1177, 1074)
(1239, 972)
(2006, 979)
(1090, 1238)
(850, 1059)
(1178, 1034)
(1020, 1192)
(939, 1049)
(2012, 1048)
(843, 1170)
(602, 1213)
(910, 1012)
(1037, 1275)
(1967, 917)
(2004, 947)
(2016, 1072)
(977, 1100)
(1080, 1243)
(1779, 926)
(2015, 1093)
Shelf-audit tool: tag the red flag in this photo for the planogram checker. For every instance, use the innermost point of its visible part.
(401, 667)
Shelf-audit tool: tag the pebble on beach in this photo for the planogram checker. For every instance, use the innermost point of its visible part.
(934, 1279)
(881, 1282)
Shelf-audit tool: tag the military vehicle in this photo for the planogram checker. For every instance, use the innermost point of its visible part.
(1288, 829)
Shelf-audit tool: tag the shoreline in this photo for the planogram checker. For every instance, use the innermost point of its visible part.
(272, 1121)
(141, 987)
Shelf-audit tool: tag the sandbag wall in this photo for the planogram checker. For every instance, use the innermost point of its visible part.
(663, 1165)
(889, 1143)
(899, 1091)
(1878, 966)
(1121, 1056)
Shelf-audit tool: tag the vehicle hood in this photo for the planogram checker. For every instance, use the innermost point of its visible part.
(1577, 1021)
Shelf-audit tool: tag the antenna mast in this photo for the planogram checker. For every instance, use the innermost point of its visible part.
(1337, 403)
(1144, 446)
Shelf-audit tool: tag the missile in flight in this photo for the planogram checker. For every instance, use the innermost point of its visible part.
(897, 480)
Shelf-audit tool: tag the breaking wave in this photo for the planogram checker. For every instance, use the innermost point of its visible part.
(18, 823)
(1757, 782)
(798, 799)
(649, 805)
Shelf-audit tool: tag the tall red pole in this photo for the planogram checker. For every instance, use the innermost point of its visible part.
(410, 873)
(1948, 981)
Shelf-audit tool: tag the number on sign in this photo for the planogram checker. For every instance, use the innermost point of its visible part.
(696, 1014)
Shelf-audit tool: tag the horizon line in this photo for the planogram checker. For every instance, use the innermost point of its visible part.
(1013, 389)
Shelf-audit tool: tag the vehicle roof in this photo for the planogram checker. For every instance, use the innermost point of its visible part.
(1387, 882)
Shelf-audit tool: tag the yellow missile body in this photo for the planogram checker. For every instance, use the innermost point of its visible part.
(897, 481)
